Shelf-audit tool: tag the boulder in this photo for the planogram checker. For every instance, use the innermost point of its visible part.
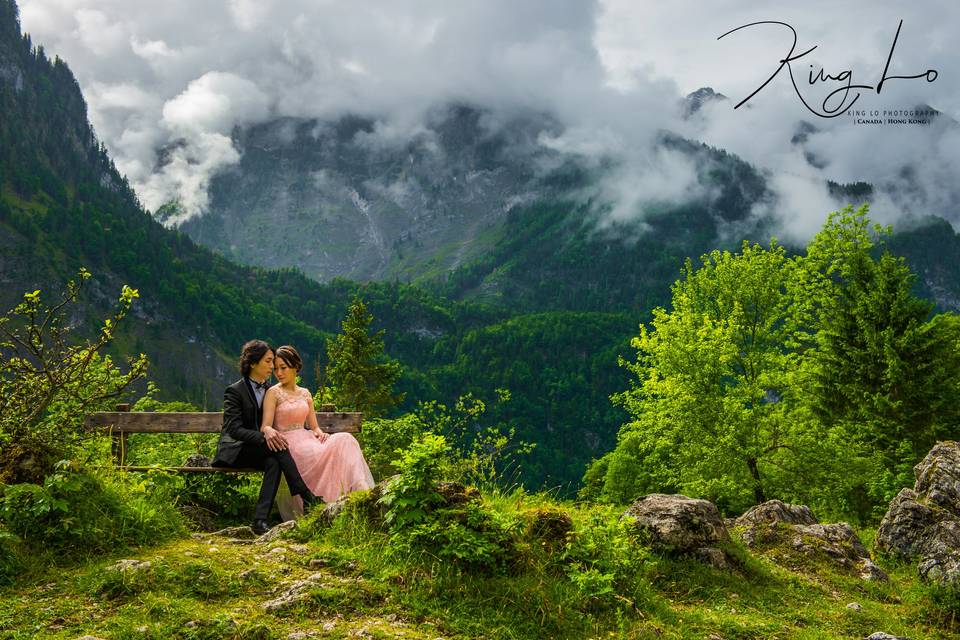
(923, 523)
(773, 511)
(938, 477)
(676, 523)
(838, 541)
(795, 528)
(904, 529)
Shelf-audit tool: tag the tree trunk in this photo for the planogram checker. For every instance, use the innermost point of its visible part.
(758, 493)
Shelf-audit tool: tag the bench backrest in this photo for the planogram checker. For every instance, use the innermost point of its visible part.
(198, 422)
(122, 422)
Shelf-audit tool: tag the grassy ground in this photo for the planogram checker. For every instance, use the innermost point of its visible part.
(349, 585)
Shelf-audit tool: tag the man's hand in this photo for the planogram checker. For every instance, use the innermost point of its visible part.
(275, 440)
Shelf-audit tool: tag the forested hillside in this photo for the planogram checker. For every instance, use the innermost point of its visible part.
(65, 206)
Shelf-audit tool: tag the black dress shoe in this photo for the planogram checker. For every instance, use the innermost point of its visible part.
(310, 501)
(260, 527)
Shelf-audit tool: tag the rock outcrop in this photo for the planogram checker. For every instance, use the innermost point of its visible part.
(924, 522)
(681, 525)
(776, 523)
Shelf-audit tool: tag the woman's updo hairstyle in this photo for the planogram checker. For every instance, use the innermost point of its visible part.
(289, 355)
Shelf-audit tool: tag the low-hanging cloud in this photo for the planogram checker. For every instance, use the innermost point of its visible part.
(166, 87)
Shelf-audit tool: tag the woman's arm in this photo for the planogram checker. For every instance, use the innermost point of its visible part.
(312, 421)
(275, 439)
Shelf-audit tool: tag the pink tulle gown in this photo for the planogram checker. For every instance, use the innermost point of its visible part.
(330, 468)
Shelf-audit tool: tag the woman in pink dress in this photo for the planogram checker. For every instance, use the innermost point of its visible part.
(331, 465)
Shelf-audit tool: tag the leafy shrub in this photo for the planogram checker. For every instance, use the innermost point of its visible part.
(49, 380)
(74, 512)
(603, 560)
(480, 454)
(10, 556)
(412, 494)
(382, 438)
(458, 528)
(471, 536)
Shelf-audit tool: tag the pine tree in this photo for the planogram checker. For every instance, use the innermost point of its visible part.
(360, 375)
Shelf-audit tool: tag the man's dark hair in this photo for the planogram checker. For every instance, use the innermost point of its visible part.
(289, 355)
(252, 353)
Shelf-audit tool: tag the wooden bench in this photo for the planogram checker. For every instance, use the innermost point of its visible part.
(122, 422)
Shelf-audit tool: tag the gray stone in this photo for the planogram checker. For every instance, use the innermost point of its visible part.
(677, 523)
(880, 635)
(130, 566)
(904, 529)
(938, 477)
(714, 557)
(234, 533)
(293, 594)
(854, 606)
(943, 568)
(924, 522)
(333, 509)
(871, 572)
(838, 541)
(774, 511)
(776, 522)
(277, 531)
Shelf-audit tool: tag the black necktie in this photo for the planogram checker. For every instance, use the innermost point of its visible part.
(259, 385)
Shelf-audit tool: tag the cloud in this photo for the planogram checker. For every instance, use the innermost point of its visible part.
(610, 72)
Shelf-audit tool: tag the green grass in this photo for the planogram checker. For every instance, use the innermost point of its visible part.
(206, 587)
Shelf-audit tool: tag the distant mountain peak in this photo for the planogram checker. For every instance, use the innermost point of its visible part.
(694, 101)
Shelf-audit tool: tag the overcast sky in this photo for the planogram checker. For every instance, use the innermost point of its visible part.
(612, 71)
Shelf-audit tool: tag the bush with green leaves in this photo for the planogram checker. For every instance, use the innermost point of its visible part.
(477, 452)
(76, 513)
(50, 378)
(424, 525)
(11, 556)
(604, 560)
(480, 453)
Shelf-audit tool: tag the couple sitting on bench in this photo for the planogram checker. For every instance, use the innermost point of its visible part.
(275, 428)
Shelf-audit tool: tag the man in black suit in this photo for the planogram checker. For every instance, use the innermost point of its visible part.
(243, 445)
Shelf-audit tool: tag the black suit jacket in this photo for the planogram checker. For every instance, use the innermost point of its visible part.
(241, 423)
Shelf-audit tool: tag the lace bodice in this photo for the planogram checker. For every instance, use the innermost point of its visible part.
(292, 409)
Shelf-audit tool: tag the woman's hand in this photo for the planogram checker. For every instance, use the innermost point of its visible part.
(320, 435)
(275, 440)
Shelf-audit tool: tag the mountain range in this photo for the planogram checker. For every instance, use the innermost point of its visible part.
(474, 246)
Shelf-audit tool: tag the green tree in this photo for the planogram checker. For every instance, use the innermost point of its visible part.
(49, 380)
(880, 368)
(359, 373)
(705, 406)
